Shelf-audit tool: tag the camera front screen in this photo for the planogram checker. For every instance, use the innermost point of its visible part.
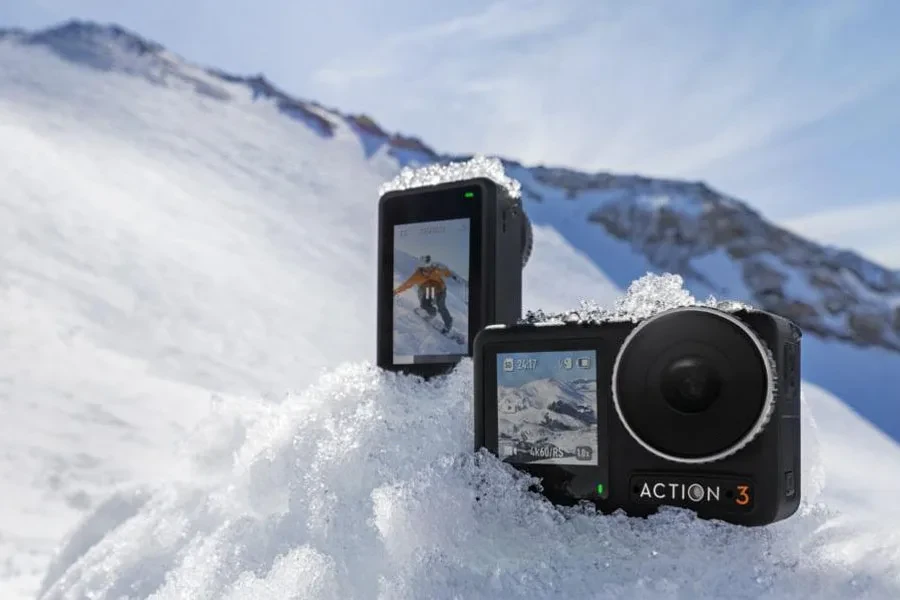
(431, 291)
(547, 408)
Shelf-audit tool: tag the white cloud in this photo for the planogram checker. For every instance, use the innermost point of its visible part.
(503, 19)
(870, 228)
(400, 52)
(650, 87)
(750, 98)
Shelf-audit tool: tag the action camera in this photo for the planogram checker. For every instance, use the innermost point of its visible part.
(694, 407)
(450, 262)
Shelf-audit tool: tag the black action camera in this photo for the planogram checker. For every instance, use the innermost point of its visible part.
(694, 407)
(450, 262)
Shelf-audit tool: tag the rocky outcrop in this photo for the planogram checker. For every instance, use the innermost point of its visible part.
(832, 293)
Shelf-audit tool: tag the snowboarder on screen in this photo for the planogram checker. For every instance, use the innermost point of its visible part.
(432, 289)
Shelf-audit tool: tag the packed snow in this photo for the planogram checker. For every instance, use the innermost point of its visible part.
(365, 486)
(173, 262)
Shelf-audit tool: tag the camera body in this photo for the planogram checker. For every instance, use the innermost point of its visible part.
(450, 262)
(693, 407)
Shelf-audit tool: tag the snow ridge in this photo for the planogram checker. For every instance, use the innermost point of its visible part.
(650, 295)
(680, 226)
(365, 486)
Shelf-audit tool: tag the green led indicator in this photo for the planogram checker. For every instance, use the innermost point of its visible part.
(470, 194)
(600, 488)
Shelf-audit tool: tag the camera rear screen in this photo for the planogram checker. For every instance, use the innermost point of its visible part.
(547, 408)
(431, 291)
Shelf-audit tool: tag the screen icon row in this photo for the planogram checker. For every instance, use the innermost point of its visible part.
(583, 363)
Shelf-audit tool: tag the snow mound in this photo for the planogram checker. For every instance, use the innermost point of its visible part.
(366, 486)
(645, 297)
(435, 174)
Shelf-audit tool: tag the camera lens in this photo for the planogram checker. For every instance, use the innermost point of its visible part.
(690, 385)
(693, 384)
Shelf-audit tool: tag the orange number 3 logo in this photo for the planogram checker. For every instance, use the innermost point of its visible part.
(743, 495)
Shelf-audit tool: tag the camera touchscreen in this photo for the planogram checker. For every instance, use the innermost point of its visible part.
(547, 408)
(431, 291)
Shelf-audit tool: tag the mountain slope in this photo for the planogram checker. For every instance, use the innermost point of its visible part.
(693, 230)
(163, 245)
(160, 247)
(679, 226)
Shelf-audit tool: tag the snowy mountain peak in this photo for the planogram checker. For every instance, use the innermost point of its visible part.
(110, 47)
(545, 393)
(685, 227)
(13, 34)
(95, 36)
(103, 46)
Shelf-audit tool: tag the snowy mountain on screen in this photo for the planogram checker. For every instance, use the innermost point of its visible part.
(548, 413)
(561, 397)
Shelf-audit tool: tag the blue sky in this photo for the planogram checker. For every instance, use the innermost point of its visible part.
(546, 367)
(791, 105)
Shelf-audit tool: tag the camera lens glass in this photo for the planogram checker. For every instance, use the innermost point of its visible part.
(691, 383)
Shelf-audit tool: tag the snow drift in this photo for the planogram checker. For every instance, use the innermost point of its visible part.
(366, 486)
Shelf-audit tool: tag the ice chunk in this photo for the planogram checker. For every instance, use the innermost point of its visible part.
(652, 294)
(365, 486)
(645, 297)
(434, 174)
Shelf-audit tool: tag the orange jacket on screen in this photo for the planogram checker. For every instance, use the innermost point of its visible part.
(432, 277)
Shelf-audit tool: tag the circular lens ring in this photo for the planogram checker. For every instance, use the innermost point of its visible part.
(768, 403)
(527, 237)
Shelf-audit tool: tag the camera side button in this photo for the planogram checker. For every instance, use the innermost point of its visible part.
(789, 486)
